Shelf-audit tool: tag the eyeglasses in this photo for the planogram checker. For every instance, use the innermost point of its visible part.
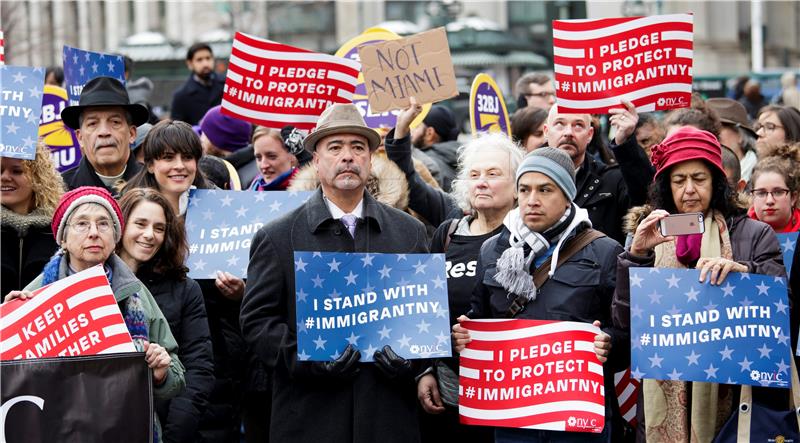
(544, 94)
(767, 127)
(763, 193)
(83, 226)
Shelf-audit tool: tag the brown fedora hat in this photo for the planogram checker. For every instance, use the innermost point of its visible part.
(104, 91)
(341, 118)
(731, 112)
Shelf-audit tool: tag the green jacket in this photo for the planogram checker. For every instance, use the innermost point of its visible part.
(123, 284)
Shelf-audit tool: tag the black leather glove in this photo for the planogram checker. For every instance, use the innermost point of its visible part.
(392, 365)
(344, 367)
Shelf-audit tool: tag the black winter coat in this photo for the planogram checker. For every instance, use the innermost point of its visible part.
(28, 244)
(191, 102)
(367, 408)
(602, 192)
(85, 175)
(181, 302)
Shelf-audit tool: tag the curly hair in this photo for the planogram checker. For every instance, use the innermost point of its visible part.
(170, 257)
(48, 186)
(783, 160)
(723, 198)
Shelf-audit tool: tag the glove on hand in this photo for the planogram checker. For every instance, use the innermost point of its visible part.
(392, 365)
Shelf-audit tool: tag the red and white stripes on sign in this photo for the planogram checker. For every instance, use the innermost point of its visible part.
(2, 49)
(627, 390)
(90, 296)
(284, 97)
(515, 401)
(641, 74)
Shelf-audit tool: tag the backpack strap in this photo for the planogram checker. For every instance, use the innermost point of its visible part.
(450, 231)
(540, 275)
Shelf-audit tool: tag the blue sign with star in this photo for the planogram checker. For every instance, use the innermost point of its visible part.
(21, 90)
(370, 301)
(80, 66)
(734, 333)
(220, 225)
(788, 242)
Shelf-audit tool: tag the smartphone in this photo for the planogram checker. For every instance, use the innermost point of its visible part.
(682, 224)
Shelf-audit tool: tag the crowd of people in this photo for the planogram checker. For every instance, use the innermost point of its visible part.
(541, 224)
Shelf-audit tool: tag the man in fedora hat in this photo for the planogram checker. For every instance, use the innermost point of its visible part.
(105, 122)
(736, 132)
(340, 400)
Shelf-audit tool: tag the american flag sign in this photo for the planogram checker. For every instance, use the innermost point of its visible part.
(80, 66)
(599, 62)
(76, 315)
(734, 333)
(371, 300)
(274, 85)
(532, 374)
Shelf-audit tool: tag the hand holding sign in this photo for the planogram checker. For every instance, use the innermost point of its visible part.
(623, 121)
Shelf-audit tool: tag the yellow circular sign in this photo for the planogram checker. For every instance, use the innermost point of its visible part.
(487, 109)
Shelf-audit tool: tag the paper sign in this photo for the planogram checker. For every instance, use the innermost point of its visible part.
(734, 333)
(370, 301)
(221, 224)
(349, 50)
(531, 374)
(417, 66)
(646, 60)
(487, 109)
(274, 85)
(20, 107)
(76, 315)
(788, 242)
(65, 151)
(81, 66)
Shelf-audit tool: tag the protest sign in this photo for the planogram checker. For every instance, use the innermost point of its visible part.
(627, 389)
(65, 151)
(599, 62)
(734, 333)
(531, 374)
(2, 49)
(417, 66)
(221, 224)
(788, 242)
(370, 301)
(20, 107)
(386, 119)
(89, 398)
(487, 109)
(80, 66)
(76, 315)
(274, 85)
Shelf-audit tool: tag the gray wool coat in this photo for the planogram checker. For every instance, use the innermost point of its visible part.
(367, 408)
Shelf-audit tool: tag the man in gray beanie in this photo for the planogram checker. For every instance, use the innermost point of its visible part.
(548, 264)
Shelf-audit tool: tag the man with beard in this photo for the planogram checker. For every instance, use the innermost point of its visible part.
(340, 400)
(202, 91)
(105, 123)
(601, 188)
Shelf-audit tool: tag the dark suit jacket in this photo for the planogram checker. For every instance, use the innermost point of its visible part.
(85, 175)
(368, 408)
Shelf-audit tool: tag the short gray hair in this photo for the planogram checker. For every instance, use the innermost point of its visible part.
(466, 154)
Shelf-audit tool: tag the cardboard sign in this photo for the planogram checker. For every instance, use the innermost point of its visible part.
(20, 107)
(90, 398)
(734, 333)
(220, 225)
(788, 242)
(647, 60)
(375, 120)
(274, 85)
(65, 150)
(80, 66)
(76, 315)
(531, 374)
(487, 109)
(417, 66)
(370, 301)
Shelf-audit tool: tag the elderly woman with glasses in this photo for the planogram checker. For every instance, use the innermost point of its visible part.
(87, 224)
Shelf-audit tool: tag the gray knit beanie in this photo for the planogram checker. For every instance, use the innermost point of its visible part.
(553, 163)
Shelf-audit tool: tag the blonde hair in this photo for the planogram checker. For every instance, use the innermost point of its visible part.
(261, 131)
(47, 184)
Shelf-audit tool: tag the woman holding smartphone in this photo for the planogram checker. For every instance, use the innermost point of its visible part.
(690, 178)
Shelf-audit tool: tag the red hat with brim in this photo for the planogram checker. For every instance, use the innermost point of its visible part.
(687, 143)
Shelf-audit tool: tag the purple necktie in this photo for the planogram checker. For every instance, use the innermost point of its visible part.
(349, 220)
